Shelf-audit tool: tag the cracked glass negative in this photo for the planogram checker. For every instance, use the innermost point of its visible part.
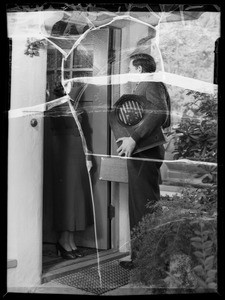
(87, 52)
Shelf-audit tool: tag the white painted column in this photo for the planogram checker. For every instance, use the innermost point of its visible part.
(25, 168)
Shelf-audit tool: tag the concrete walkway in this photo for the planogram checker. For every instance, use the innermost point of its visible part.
(57, 288)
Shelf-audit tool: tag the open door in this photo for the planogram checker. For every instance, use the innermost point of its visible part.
(96, 100)
(88, 59)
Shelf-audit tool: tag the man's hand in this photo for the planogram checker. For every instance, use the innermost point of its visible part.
(127, 146)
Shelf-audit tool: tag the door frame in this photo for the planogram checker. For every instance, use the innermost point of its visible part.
(107, 44)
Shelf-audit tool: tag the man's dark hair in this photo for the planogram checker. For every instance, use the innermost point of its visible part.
(144, 60)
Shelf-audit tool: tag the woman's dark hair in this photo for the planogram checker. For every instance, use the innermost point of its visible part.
(59, 90)
(144, 60)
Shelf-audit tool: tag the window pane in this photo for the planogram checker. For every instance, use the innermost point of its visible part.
(51, 61)
(67, 75)
(83, 57)
(59, 59)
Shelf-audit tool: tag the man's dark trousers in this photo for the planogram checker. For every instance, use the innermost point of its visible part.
(143, 182)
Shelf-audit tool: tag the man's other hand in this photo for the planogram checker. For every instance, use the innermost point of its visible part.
(127, 146)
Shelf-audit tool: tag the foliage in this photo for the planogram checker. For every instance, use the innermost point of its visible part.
(199, 201)
(203, 276)
(180, 277)
(188, 49)
(205, 245)
(197, 138)
(33, 46)
(182, 224)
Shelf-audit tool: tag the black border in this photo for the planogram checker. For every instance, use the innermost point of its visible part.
(115, 6)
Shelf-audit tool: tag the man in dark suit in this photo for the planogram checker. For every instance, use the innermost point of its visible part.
(144, 173)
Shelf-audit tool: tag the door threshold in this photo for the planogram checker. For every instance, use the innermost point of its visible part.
(69, 266)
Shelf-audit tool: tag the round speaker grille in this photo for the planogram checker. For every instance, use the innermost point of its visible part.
(130, 112)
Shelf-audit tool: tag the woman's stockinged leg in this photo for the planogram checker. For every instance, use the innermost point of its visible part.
(66, 243)
(72, 241)
(75, 251)
(63, 246)
(64, 240)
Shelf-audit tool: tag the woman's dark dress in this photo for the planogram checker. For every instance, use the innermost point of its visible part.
(72, 198)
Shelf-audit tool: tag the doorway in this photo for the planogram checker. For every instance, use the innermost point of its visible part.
(93, 57)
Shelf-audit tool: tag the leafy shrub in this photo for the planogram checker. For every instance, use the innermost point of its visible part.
(205, 250)
(197, 131)
(182, 224)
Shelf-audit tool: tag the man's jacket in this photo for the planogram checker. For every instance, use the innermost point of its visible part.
(148, 132)
(157, 116)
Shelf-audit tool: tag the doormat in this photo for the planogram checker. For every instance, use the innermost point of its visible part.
(113, 276)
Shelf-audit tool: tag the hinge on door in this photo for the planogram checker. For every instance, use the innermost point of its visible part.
(111, 211)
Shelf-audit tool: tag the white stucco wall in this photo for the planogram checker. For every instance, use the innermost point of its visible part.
(25, 164)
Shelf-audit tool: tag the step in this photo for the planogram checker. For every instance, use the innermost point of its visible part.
(80, 263)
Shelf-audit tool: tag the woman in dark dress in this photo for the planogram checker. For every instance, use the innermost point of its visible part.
(72, 196)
